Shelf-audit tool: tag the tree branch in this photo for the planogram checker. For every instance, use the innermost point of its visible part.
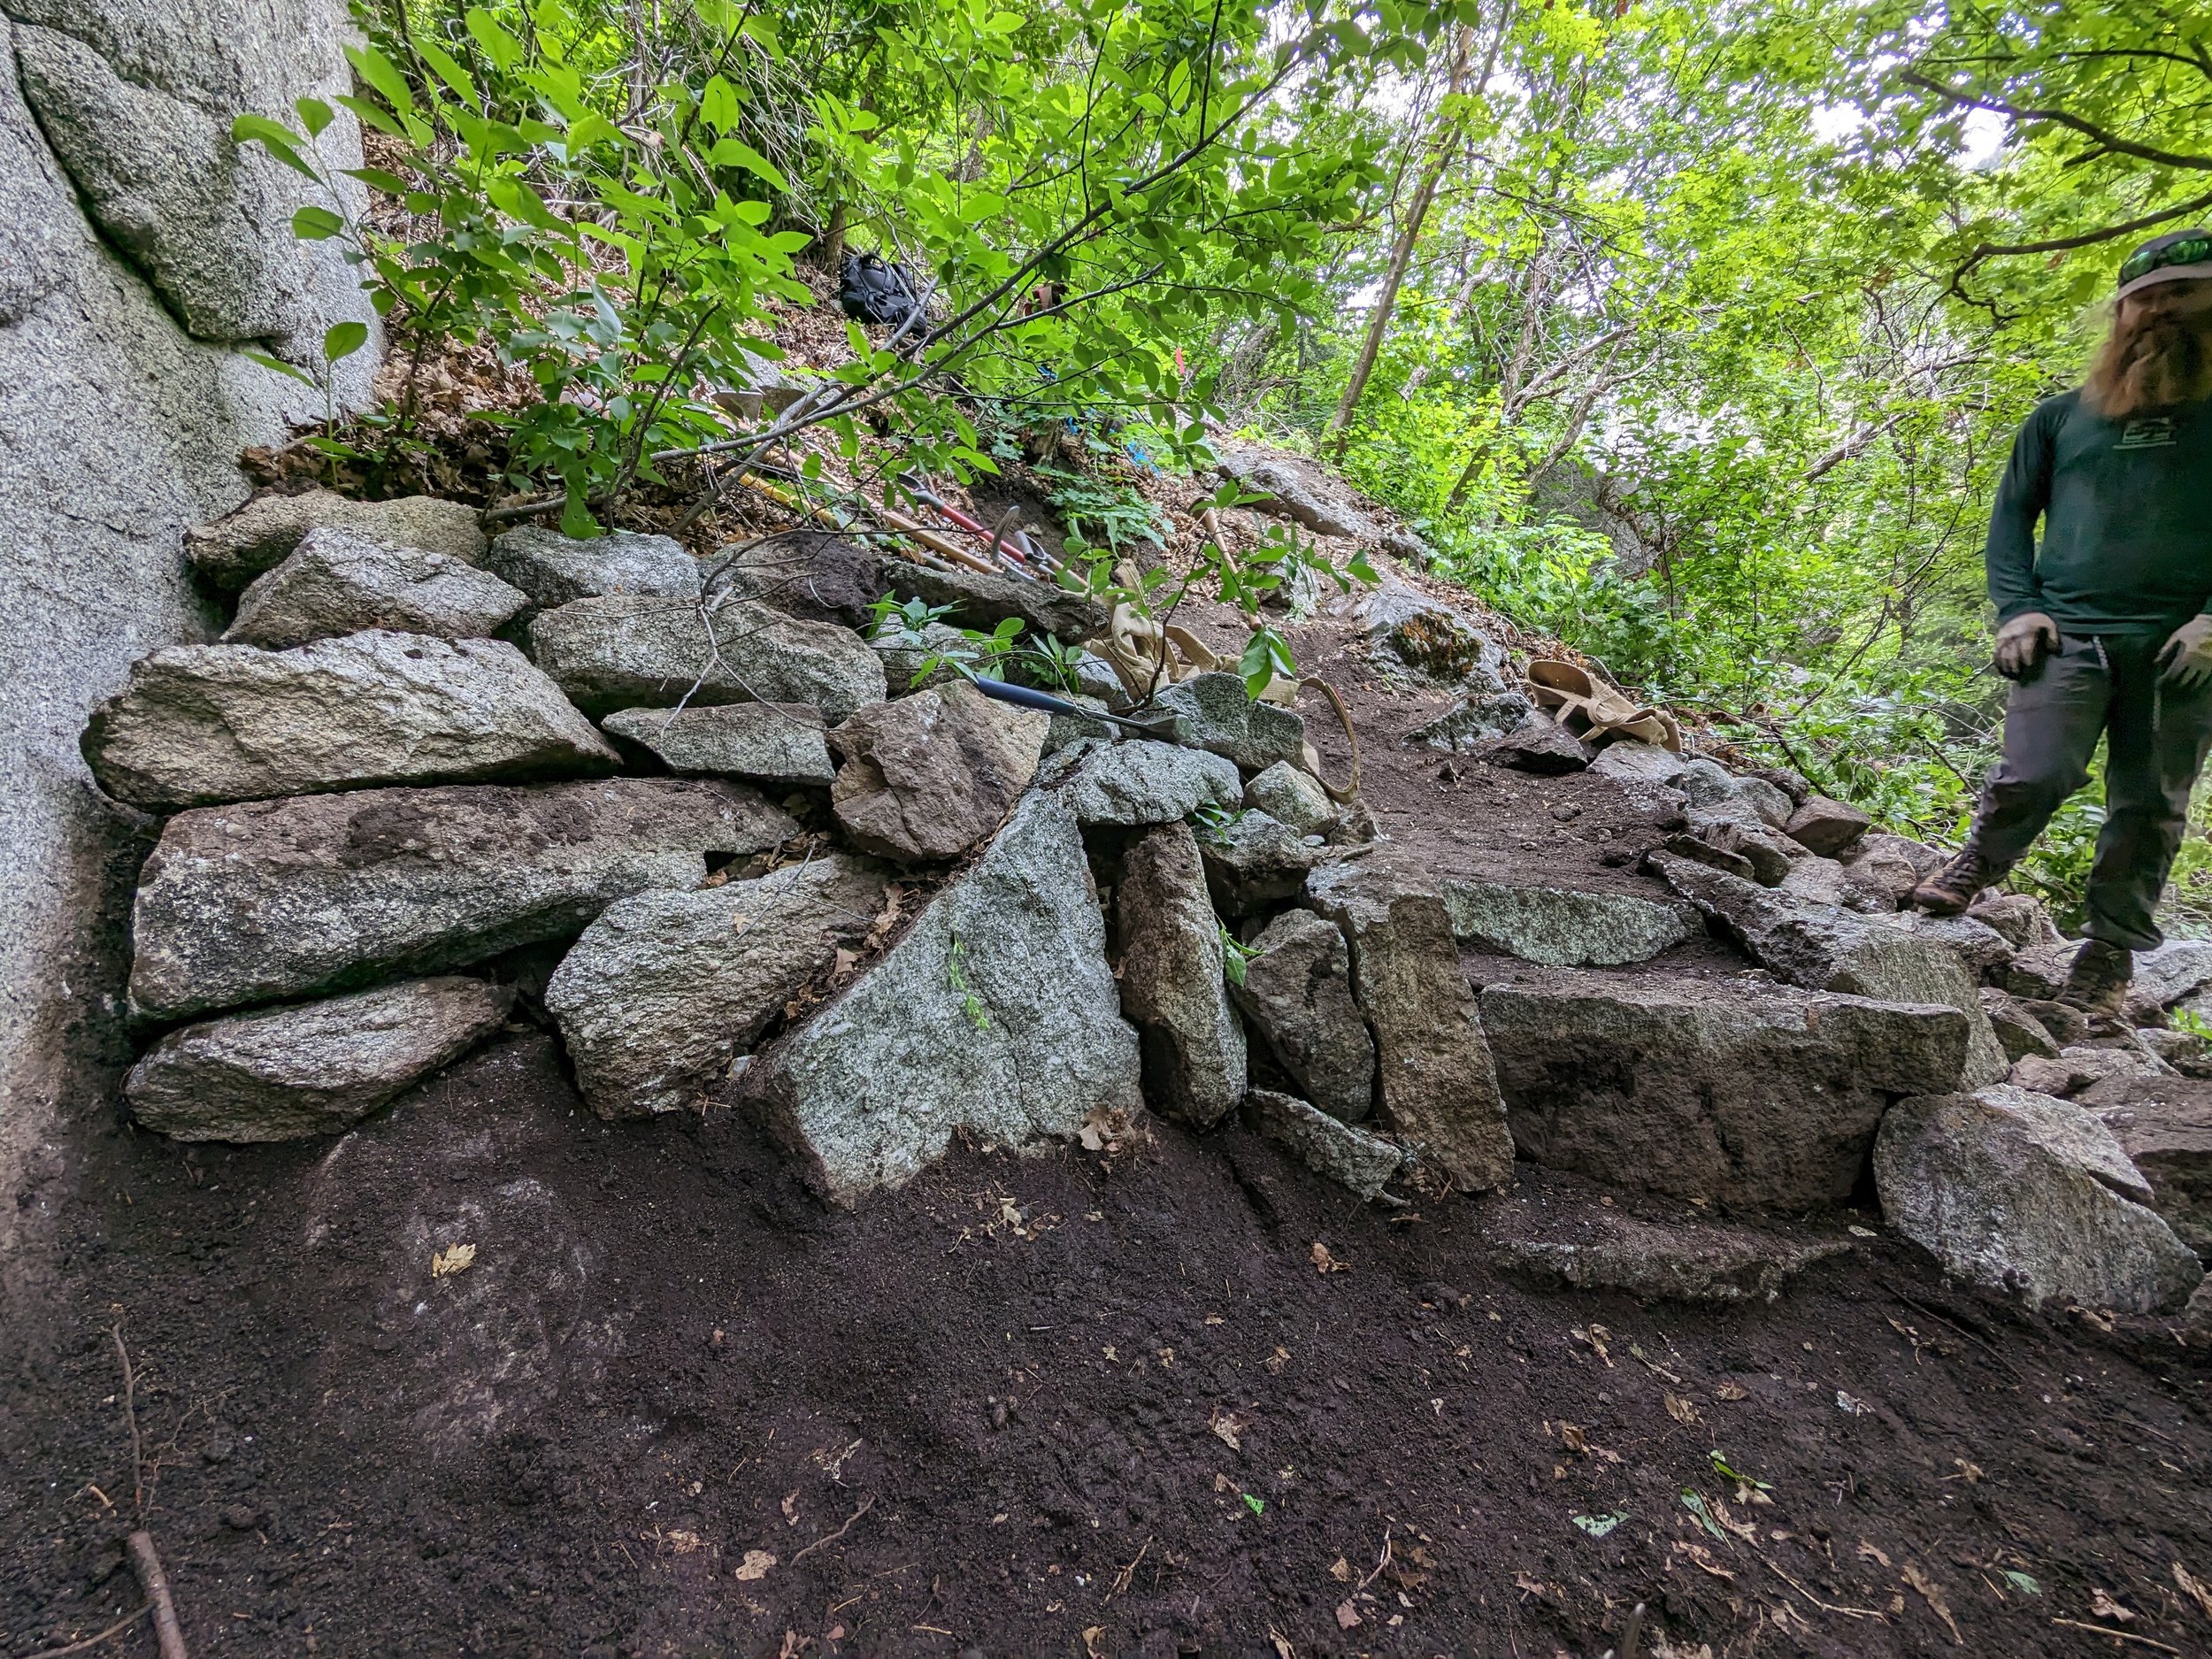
(2110, 141)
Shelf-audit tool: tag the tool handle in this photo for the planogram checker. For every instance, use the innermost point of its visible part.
(1026, 698)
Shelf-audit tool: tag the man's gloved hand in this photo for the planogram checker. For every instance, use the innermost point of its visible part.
(2024, 641)
(2187, 656)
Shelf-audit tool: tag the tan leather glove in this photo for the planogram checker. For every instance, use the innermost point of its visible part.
(2023, 642)
(2187, 656)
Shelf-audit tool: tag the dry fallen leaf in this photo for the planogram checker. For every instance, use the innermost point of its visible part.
(1572, 1438)
(1342, 1572)
(2103, 1606)
(1092, 1638)
(1324, 1263)
(1967, 1472)
(754, 1567)
(1278, 1360)
(2193, 1586)
(1346, 1617)
(453, 1259)
(1729, 1391)
(1703, 1558)
(1228, 1426)
(790, 1508)
(682, 1542)
(1931, 1593)
(1867, 1552)
(1680, 1409)
(1283, 1649)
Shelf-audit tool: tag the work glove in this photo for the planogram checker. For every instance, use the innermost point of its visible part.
(2023, 642)
(2187, 656)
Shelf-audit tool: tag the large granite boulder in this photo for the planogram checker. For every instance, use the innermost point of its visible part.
(2164, 1125)
(1824, 826)
(996, 1014)
(137, 101)
(1355, 1158)
(1294, 488)
(339, 581)
(1292, 797)
(1254, 863)
(2021, 1192)
(310, 1068)
(1897, 959)
(1438, 1086)
(808, 573)
(553, 570)
(1562, 927)
(2176, 970)
(1887, 868)
(775, 742)
(630, 650)
(1754, 1096)
(926, 777)
(230, 552)
(665, 988)
(975, 599)
(1296, 995)
(1214, 712)
(1172, 986)
(322, 893)
(202, 724)
(1136, 783)
(1432, 641)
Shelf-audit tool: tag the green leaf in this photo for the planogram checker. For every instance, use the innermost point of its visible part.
(730, 152)
(311, 223)
(1695, 1505)
(277, 364)
(383, 75)
(370, 113)
(718, 105)
(343, 339)
(274, 136)
(1267, 656)
(314, 115)
(501, 48)
(1599, 1525)
(446, 67)
(377, 179)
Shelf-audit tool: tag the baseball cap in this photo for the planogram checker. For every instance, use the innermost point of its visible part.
(2181, 256)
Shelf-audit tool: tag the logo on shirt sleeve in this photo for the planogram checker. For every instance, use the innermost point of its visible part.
(2153, 432)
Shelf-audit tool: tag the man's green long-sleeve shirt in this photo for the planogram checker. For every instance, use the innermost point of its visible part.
(2126, 507)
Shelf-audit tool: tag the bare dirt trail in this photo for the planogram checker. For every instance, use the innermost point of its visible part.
(1085, 1398)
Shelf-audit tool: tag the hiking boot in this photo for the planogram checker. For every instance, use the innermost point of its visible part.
(1954, 886)
(2097, 984)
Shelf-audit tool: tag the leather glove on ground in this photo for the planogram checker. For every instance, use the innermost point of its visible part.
(2187, 656)
(2024, 641)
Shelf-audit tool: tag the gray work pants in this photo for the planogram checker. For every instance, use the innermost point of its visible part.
(2157, 735)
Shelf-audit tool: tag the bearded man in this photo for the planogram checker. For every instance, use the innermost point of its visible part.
(2104, 629)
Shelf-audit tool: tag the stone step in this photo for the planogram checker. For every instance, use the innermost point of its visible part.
(1755, 1095)
(1562, 927)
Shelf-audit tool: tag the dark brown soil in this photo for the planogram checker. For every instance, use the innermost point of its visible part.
(1018, 1381)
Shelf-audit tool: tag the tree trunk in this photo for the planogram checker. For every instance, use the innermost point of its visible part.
(833, 241)
(1442, 139)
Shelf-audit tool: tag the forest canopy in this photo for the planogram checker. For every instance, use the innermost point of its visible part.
(1693, 334)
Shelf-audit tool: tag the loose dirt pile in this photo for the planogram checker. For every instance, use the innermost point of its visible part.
(1172, 1397)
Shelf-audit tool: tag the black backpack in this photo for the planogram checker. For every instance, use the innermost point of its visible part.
(871, 291)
